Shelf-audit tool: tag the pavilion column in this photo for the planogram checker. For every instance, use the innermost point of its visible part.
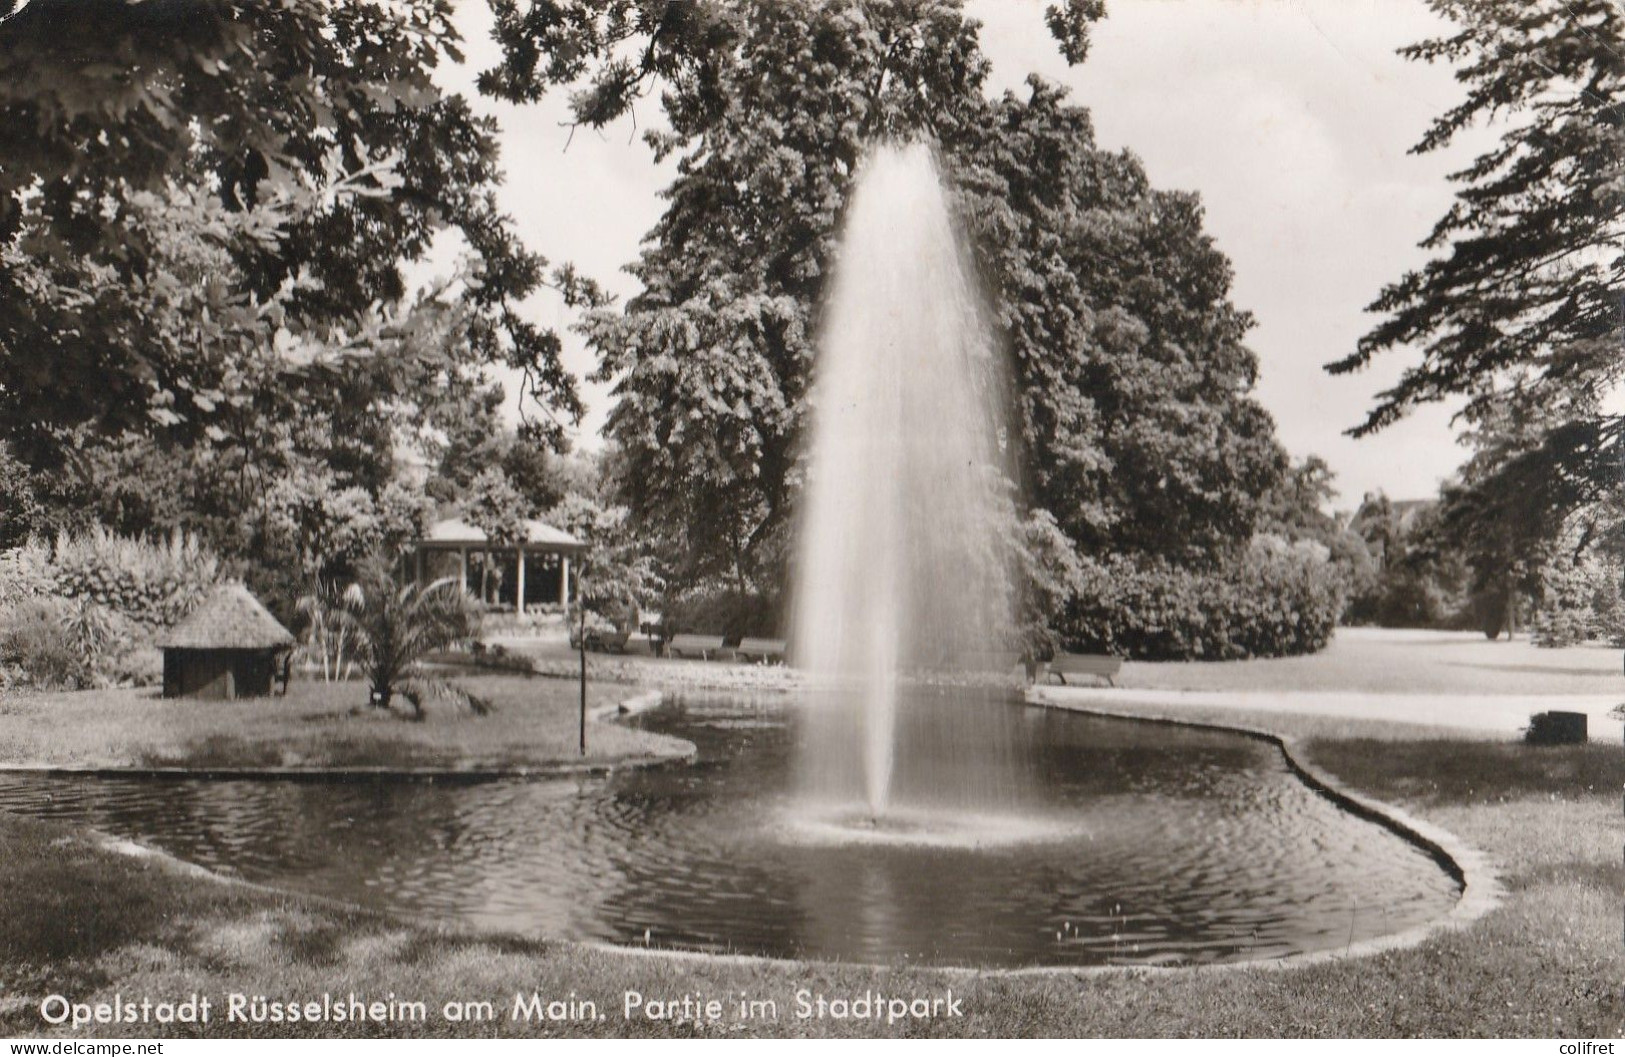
(519, 580)
(564, 581)
(417, 566)
(462, 569)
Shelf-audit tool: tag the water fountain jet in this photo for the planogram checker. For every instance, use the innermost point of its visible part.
(901, 569)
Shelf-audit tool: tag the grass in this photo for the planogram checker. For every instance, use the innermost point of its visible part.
(318, 725)
(83, 921)
(1373, 660)
(1358, 660)
(1473, 772)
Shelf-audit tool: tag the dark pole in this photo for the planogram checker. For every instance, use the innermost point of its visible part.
(581, 643)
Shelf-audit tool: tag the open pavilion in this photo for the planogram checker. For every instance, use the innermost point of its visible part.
(536, 571)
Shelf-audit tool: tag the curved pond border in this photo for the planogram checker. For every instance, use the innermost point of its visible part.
(1481, 887)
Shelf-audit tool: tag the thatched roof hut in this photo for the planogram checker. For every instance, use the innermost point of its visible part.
(227, 647)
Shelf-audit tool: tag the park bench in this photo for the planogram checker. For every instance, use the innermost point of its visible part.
(704, 645)
(1098, 665)
(769, 650)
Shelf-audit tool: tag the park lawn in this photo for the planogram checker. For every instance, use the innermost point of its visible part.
(321, 725)
(1357, 660)
(84, 921)
(1397, 661)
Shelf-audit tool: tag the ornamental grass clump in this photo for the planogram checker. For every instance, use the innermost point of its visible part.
(83, 612)
(25, 573)
(151, 583)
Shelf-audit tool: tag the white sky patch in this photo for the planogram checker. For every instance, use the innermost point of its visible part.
(1292, 118)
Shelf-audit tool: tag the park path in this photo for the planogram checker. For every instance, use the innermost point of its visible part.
(1486, 713)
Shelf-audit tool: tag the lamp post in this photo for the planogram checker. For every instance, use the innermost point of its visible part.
(581, 650)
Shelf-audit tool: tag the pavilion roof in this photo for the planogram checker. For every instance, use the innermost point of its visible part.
(229, 618)
(455, 532)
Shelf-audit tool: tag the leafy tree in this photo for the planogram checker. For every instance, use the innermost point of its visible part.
(617, 573)
(496, 508)
(1299, 506)
(21, 513)
(1133, 383)
(614, 577)
(711, 358)
(1299, 509)
(1419, 579)
(1497, 519)
(1579, 598)
(1518, 312)
(1131, 375)
(585, 44)
(206, 212)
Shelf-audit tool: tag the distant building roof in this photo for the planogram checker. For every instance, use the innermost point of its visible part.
(455, 532)
(1379, 514)
(228, 619)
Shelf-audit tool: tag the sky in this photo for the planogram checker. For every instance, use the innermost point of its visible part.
(1291, 118)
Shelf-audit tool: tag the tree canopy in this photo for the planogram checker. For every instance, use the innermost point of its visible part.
(1518, 312)
(1132, 378)
(209, 213)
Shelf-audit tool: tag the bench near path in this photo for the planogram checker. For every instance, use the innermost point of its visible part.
(1095, 665)
(702, 646)
(768, 650)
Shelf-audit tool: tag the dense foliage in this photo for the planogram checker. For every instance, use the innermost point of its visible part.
(1137, 432)
(213, 217)
(86, 609)
(1517, 313)
(1274, 600)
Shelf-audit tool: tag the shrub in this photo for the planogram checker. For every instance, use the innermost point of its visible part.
(37, 644)
(139, 664)
(151, 583)
(1579, 601)
(1555, 628)
(1276, 599)
(718, 610)
(25, 573)
(1050, 573)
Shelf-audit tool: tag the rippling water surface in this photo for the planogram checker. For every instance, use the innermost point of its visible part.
(1138, 844)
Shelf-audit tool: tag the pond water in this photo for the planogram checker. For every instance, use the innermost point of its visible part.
(1135, 844)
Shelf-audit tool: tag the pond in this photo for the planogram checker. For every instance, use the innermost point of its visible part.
(1139, 844)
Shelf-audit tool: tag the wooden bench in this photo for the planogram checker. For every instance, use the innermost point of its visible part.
(704, 645)
(768, 650)
(1098, 665)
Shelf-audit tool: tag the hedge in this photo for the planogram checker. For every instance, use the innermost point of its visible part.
(1276, 599)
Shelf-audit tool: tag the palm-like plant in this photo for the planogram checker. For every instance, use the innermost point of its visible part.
(396, 625)
(331, 640)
